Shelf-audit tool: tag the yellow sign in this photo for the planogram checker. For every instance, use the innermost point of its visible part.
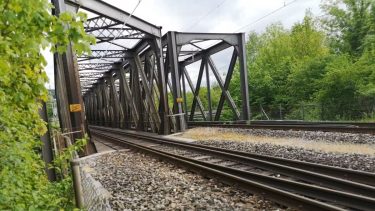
(179, 100)
(75, 107)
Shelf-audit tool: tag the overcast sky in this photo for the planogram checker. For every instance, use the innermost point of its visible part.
(212, 15)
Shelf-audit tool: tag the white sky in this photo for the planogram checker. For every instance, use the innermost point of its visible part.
(211, 16)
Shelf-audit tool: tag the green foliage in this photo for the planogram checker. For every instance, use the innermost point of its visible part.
(61, 162)
(26, 28)
(64, 188)
(317, 69)
(349, 24)
(278, 64)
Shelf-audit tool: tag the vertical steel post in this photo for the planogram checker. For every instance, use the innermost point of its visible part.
(117, 112)
(137, 93)
(197, 88)
(156, 45)
(77, 185)
(182, 70)
(243, 77)
(61, 95)
(208, 90)
(47, 153)
(176, 88)
(68, 68)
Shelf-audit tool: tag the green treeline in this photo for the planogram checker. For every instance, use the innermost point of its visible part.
(323, 68)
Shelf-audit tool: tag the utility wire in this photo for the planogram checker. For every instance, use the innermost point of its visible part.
(126, 19)
(204, 16)
(257, 20)
(265, 16)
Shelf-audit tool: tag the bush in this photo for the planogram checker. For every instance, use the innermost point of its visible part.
(26, 28)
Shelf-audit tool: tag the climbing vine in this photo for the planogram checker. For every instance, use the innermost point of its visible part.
(26, 28)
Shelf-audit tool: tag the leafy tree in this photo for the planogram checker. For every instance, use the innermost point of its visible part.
(277, 65)
(26, 28)
(328, 64)
(348, 24)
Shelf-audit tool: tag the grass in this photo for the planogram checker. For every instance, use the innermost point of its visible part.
(214, 134)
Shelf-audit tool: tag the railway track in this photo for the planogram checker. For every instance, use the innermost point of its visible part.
(306, 186)
(348, 127)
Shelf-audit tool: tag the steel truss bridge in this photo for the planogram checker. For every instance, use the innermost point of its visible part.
(137, 78)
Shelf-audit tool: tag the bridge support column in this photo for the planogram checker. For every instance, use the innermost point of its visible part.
(173, 66)
(68, 89)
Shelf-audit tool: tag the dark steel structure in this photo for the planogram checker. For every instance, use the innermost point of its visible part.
(136, 78)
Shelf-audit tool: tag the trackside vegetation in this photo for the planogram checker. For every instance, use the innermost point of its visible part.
(322, 68)
(26, 28)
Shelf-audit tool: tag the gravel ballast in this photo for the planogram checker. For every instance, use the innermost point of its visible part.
(356, 161)
(352, 161)
(333, 137)
(140, 182)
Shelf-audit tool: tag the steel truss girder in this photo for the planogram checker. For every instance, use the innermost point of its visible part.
(97, 54)
(108, 34)
(133, 91)
(104, 9)
(207, 65)
(94, 66)
(186, 38)
(68, 90)
(99, 22)
(140, 91)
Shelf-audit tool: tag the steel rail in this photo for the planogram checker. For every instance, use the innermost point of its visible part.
(317, 169)
(348, 199)
(291, 122)
(277, 195)
(344, 127)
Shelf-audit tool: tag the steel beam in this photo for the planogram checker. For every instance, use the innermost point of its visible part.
(67, 67)
(209, 51)
(128, 96)
(47, 153)
(224, 90)
(156, 45)
(176, 89)
(94, 66)
(226, 84)
(147, 91)
(185, 38)
(197, 88)
(97, 54)
(108, 34)
(104, 9)
(99, 22)
(241, 50)
(209, 102)
(117, 111)
(200, 104)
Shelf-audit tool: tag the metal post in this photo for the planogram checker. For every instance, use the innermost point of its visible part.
(197, 88)
(137, 93)
(47, 153)
(243, 77)
(176, 88)
(184, 90)
(77, 186)
(208, 90)
(163, 100)
(67, 68)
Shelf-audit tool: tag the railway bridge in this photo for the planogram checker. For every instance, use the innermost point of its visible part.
(138, 78)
